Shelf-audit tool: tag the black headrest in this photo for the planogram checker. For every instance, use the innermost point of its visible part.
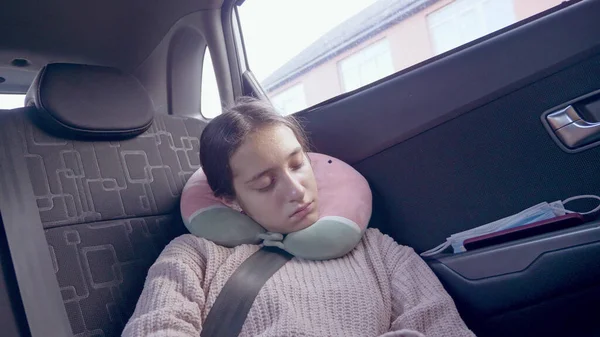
(85, 101)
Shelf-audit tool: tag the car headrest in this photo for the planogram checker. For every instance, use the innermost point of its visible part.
(84, 101)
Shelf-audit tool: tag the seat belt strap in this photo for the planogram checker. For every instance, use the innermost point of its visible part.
(38, 286)
(229, 312)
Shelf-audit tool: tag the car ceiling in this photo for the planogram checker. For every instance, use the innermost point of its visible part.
(117, 33)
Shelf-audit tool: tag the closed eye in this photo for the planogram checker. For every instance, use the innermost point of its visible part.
(297, 166)
(297, 161)
(268, 187)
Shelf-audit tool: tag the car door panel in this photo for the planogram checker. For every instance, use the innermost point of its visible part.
(490, 283)
(489, 163)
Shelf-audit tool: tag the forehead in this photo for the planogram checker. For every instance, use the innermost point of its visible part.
(262, 149)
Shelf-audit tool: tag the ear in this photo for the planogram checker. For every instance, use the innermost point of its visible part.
(235, 205)
(232, 203)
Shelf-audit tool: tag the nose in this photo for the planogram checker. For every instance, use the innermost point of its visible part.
(294, 189)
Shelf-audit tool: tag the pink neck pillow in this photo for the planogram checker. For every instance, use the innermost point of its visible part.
(345, 205)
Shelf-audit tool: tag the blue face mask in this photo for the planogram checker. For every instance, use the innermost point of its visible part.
(539, 212)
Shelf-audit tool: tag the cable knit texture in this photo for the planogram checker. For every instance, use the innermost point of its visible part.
(379, 289)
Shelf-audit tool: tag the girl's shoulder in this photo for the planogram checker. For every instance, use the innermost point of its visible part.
(201, 248)
(382, 244)
(374, 235)
(192, 246)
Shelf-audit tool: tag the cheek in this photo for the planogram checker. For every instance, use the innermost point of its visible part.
(258, 205)
(310, 181)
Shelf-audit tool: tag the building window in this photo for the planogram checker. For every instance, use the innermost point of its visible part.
(463, 21)
(290, 100)
(366, 65)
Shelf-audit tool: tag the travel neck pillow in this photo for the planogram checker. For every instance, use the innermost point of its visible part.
(345, 205)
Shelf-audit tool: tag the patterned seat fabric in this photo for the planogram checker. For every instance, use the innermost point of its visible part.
(108, 209)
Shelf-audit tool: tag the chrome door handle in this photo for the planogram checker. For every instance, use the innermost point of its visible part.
(572, 130)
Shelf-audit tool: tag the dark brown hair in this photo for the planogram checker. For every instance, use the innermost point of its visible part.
(225, 133)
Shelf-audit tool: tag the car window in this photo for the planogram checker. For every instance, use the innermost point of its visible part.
(210, 101)
(12, 101)
(304, 52)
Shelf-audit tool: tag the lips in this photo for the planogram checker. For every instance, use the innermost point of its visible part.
(302, 209)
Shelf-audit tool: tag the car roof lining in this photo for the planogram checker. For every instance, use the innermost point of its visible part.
(120, 34)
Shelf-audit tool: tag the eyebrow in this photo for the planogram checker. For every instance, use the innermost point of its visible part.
(262, 173)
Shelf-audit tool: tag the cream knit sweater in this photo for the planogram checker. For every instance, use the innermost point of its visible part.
(379, 289)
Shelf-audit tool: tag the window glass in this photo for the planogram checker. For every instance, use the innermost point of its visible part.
(210, 101)
(463, 21)
(290, 100)
(12, 101)
(367, 65)
(306, 51)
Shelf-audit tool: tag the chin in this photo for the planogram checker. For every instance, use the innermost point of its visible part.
(308, 221)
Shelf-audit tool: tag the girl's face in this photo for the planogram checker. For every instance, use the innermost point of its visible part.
(274, 181)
